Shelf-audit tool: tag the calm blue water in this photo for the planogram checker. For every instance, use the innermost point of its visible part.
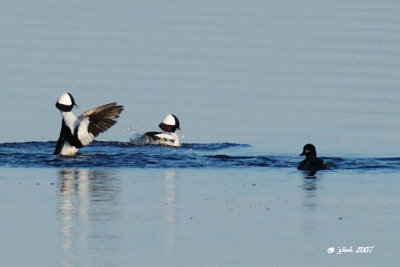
(214, 155)
(251, 216)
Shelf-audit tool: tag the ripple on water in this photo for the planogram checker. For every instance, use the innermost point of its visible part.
(213, 155)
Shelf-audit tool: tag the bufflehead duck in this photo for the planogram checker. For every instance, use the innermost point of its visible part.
(77, 132)
(168, 137)
(312, 162)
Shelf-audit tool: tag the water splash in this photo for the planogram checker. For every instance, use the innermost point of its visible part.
(129, 133)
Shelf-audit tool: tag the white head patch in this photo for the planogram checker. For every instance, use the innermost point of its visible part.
(65, 99)
(169, 120)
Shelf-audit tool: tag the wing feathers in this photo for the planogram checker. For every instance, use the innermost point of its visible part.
(102, 118)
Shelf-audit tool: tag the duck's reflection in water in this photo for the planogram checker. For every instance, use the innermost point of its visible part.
(310, 205)
(170, 216)
(87, 207)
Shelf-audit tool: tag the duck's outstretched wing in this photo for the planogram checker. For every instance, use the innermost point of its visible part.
(101, 118)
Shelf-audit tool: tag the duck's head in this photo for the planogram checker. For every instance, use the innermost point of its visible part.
(170, 124)
(309, 151)
(65, 102)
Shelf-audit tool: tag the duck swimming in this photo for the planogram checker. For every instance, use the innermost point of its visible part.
(311, 163)
(170, 124)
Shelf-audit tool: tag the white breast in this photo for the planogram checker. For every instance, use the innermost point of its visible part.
(68, 150)
(70, 120)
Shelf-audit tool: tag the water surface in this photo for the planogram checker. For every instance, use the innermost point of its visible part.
(196, 217)
(213, 155)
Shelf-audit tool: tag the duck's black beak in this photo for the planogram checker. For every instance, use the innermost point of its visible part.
(304, 153)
